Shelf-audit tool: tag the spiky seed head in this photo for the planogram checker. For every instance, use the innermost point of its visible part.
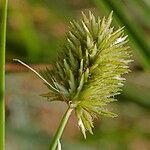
(89, 68)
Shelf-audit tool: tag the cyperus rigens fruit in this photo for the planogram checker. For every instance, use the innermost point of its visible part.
(88, 71)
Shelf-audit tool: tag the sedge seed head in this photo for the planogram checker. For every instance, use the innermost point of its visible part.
(89, 68)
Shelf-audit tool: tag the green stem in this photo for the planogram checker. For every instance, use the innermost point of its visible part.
(3, 13)
(60, 129)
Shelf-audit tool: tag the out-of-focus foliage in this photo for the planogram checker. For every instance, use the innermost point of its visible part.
(35, 31)
(137, 35)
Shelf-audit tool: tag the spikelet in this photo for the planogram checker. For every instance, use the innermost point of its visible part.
(89, 68)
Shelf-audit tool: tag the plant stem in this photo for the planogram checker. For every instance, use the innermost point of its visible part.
(60, 129)
(3, 4)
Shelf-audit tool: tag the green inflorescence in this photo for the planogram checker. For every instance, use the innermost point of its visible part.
(88, 71)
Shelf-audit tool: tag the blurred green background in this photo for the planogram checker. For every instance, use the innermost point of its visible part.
(35, 32)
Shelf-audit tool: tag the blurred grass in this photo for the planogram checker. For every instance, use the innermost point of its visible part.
(39, 27)
(133, 29)
(141, 97)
